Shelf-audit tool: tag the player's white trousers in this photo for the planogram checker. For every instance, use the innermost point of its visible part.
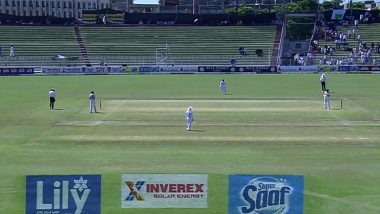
(326, 103)
(92, 106)
(224, 90)
(188, 122)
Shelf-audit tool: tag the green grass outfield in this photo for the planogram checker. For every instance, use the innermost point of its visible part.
(267, 124)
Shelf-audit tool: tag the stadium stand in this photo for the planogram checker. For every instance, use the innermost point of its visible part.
(368, 34)
(139, 45)
(39, 45)
(187, 44)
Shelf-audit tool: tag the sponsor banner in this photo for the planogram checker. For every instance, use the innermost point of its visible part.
(130, 69)
(269, 194)
(148, 69)
(90, 17)
(117, 17)
(56, 69)
(16, 71)
(364, 68)
(164, 191)
(297, 69)
(348, 68)
(257, 69)
(63, 194)
(102, 69)
(178, 68)
(81, 69)
(338, 14)
(327, 68)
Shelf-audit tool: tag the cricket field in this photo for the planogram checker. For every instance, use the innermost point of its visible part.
(266, 124)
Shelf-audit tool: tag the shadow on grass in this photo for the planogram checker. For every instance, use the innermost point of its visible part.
(196, 130)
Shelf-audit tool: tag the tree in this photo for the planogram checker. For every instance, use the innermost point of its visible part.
(302, 6)
(242, 10)
(358, 5)
(333, 4)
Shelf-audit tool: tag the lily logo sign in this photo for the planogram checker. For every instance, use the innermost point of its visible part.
(265, 194)
(63, 194)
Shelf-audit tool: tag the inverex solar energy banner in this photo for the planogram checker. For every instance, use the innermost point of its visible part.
(164, 191)
(266, 194)
(63, 194)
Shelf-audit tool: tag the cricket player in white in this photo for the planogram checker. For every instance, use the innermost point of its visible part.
(11, 51)
(223, 87)
(189, 117)
(326, 99)
(323, 80)
(91, 97)
(52, 98)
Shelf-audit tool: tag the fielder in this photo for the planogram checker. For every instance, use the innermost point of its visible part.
(326, 99)
(323, 80)
(91, 97)
(223, 87)
(189, 117)
(51, 98)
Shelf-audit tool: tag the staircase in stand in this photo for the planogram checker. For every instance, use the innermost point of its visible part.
(276, 46)
(82, 47)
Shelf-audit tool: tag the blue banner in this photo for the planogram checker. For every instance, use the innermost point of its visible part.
(229, 69)
(266, 194)
(16, 71)
(63, 194)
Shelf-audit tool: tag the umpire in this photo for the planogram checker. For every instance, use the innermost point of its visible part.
(52, 98)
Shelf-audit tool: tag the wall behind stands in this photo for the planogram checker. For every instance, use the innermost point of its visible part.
(206, 19)
(355, 13)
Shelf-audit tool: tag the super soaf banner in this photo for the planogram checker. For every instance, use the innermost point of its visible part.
(164, 191)
(63, 194)
(265, 194)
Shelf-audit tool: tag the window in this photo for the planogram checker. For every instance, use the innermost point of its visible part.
(64, 4)
(43, 13)
(102, 6)
(84, 5)
(70, 14)
(18, 3)
(24, 3)
(6, 3)
(53, 4)
(31, 4)
(37, 13)
(43, 3)
(37, 4)
(14, 12)
(78, 5)
(7, 12)
(24, 12)
(70, 5)
(58, 4)
(94, 6)
(13, 4)
(89, 5)
(64, 15)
